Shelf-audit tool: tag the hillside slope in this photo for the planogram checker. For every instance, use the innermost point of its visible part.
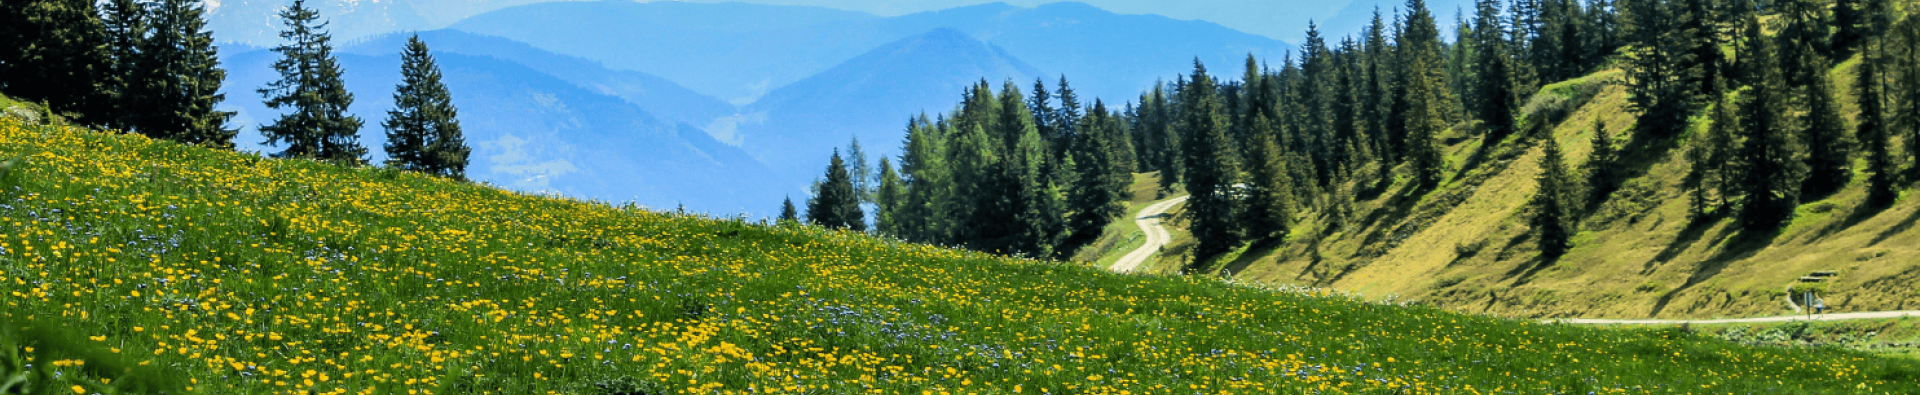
(1466, 246)
(229, 273)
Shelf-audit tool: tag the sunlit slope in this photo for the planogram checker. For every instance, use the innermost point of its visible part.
(1467, 246)
(236, 274)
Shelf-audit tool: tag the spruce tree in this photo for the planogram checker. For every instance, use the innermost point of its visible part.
(1494, 91)
(1768, 169)
(1872, 129)
(1904, 114)
(1708, 154)
(1066, 120)
(423, 129)
(787, 212)
(1549, 207)
(317, 125)
(1602, 176)
(1269, 211)
(1829, 149)
(1424, 99)
(928, 181)
(1096, 196)
(56, 52)
(1658, 69)
(1210, 171)
(834, 204)
(862, 175)
(126, 26)
(182, 88)
(888, 198)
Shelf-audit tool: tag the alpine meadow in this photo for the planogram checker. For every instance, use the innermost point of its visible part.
(622, 197)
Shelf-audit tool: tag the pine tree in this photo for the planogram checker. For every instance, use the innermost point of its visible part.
(1096, 197)
(423, 129)
(1708, 154)
(1210, 171)
(182, 90)
(56, 52)
(1768, 170)
(126, 26)
(1424, 97)
(1851, 24)
(787, 213)
(1066, 120)
(1904, 115)
(1829, 149)
(1495, 98)
(862, 175)
(834, 204)
(929, 184)
(1602, 178)
(1872, 130)
(318, 125)
(1269, 210)
(1549, 206)
(888, 198)
(1658, 69)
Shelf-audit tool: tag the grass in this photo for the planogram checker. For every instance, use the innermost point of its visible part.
(134, 264)
(1466, 245)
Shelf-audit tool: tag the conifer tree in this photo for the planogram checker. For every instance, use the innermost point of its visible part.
(318, 125)
(1769, 172)
(1066, 120)
(423, 129)
(888, 198)
(1210, 171)
(1424, 94)
(1872, 129)
(56, 52)
(834, 204)
(126, 26)
(1549, 206)
(1096, 197)
(1904, 115)
(1829, 149)
(787, 212)
(929, 184)
(1602, 177)
(1040, 105)
(1658, 70)
(862, 175)
(1495, 98)
(1270, 199)
(1709, 153)
(180, 91)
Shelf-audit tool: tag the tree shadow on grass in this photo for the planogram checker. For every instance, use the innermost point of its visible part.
(1256, 250)
(1860, 213)
(1743, 245)
(1899, 228)
(1687, 237)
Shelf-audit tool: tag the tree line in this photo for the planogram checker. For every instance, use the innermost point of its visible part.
(151, 67)
(1741, 88)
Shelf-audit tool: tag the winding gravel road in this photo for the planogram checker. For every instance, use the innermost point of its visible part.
(1157, 236)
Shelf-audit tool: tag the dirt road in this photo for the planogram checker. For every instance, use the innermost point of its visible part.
(1149, 221)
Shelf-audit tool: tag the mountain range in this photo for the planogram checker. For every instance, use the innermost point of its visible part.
(732, 105)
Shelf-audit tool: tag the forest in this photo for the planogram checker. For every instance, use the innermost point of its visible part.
(1346, 119)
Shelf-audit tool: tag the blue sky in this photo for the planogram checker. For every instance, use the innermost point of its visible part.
(1279, 19)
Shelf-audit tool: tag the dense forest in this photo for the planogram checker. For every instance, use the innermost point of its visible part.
(151, 67)
(1739, 87)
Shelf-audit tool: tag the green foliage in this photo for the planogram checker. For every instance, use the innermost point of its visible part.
(787, 212)
(1829, 148)
(1767, 162)
(836, 205)
(423, 128)
(1872, 129)
(1550, 214)
(56, 52)
(176, 85)
(1211, 170)
(317, 125)
(1601, 167)
(1269, 211)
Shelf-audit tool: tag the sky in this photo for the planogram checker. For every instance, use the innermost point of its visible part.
(1278, 19)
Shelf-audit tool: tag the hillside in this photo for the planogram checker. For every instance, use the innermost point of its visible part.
(1466, 246)
(146, 266)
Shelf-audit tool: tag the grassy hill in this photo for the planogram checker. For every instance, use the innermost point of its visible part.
(1466, 245)
(135, 265)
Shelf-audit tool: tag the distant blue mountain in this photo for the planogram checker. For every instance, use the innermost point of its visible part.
(704, 47)
(871, 97)
(665, 99)
(734, 51)
(539, 133)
